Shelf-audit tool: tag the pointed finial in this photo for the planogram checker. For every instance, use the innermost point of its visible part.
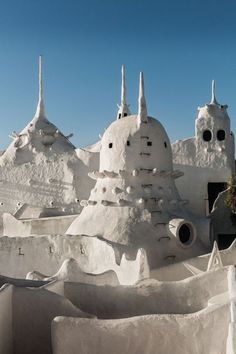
(213, 97)
(40, 107)
(40, 78)
(142, 108)
(123, 108)
(215, 261)
(123, 87)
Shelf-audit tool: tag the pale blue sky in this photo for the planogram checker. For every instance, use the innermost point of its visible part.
(180, 45)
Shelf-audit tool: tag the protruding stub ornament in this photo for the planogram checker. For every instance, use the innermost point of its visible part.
(84, 203)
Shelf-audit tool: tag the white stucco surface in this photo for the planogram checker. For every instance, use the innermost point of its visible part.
(145, 334)
(40, 226)
(148, 297)
(105, 248)
(42, 168)
(135, 188)
(182, 270)
(204, 161)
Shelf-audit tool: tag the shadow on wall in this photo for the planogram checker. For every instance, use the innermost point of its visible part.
(148, 297)
(25, 319)
(223, 221)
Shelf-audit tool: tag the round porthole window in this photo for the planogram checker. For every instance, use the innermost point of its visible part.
(184, 233)
(207, 135)
(221, 135)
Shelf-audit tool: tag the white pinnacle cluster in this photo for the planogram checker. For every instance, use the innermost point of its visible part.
(124, 110)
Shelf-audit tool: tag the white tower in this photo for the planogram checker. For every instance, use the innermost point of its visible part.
(135, 202)
(214, 139)
(207, 159)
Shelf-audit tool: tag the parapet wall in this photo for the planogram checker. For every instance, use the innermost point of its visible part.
(19, 255)
(148, 297)
(203, 332)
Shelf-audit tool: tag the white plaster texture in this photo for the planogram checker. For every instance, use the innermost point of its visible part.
(38, 226)
(145, 334)
(42, 168)
(135, 189)
(204, 161)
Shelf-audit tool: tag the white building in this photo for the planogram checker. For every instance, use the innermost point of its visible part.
(41, 172)
(207, 159)
(135, 203)
(132, 226)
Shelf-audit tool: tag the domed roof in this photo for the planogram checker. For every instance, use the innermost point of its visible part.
(136, 141)
(128, 143)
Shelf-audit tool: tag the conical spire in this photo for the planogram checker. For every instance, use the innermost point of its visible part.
(123, 108)
(213, 97)
(123, 86)
(142, 108)
(40, 112)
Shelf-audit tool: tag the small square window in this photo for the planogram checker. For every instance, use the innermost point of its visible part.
(149, 143)
(125, 114)
(110, 145)
(128, 143)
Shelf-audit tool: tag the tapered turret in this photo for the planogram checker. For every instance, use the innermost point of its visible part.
(40, 111)
(213, 96)
(142, 107)
(124, 107)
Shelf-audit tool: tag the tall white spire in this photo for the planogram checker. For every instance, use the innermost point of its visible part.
(123, 87)
(213, 96)
(124, 107)
(142, 107)
(40, 112)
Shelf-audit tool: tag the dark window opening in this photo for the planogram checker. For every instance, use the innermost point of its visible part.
(221, 135)
(125, 114)
(149, 143)
(213, 190)
(110, 145)
(119, 116)
(165, 144)
(128, 143)
(184, 233)
(207, 135)
(225, 240)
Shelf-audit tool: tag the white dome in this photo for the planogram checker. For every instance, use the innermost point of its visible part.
(127, 145)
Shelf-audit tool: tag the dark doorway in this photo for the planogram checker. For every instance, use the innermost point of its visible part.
(213, 190)
(225, 240)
